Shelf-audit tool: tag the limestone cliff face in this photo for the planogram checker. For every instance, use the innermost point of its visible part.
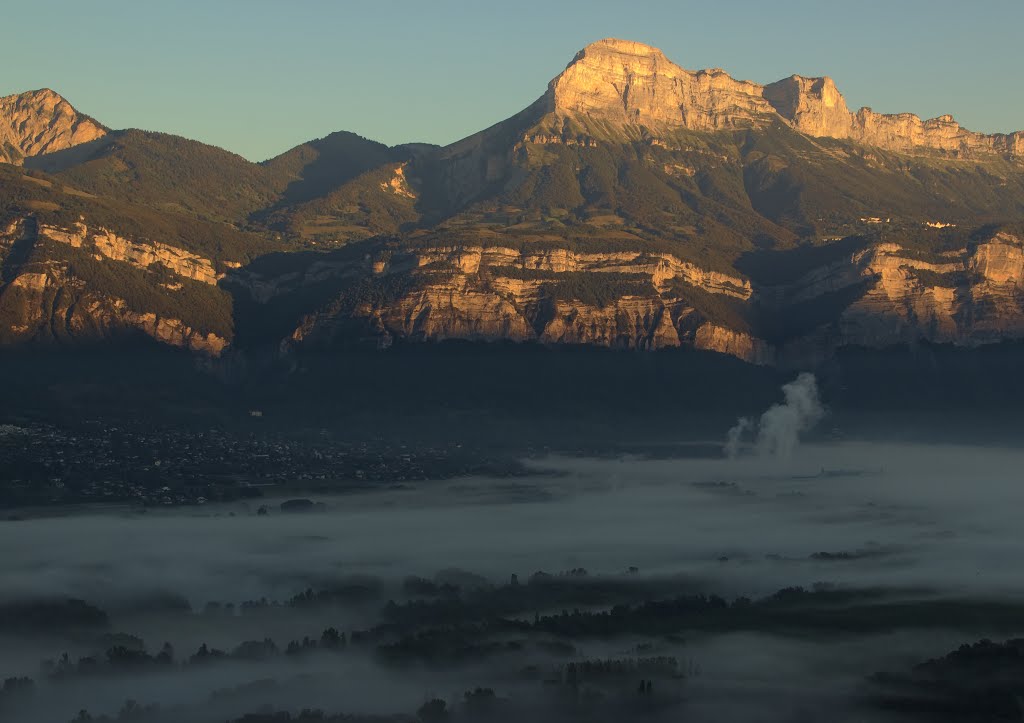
(877, 296)
(816, 107)
(464, 308)
(968, 297)
(631, 83)
(44, 301)
(709, 336)
(628, 323)
(493, 293)
(46, 305)
(40, 122)
(661, 267)
(108, 244)
(813, 105)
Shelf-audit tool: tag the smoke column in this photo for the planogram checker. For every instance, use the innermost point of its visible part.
(779, 429)
(734, 440)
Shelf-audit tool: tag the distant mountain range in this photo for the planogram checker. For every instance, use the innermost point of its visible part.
(634, 205)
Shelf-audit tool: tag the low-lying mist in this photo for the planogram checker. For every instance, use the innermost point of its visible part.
(944, 517)
(916, 520)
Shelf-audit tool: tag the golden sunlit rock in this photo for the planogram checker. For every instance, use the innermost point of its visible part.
(40, 122)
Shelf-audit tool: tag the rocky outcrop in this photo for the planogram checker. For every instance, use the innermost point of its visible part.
(630, 84)
(999, 261)
(46, 296)
(452, 309)
(9, 234)
(967, 297)
(41, 122)
(631, 322)
(494, 293)
(879, 295)
(46, 305)
(398, 184)
(502, 265)
(108, 244)
(815, 106)
(710, 336)
(660, 267)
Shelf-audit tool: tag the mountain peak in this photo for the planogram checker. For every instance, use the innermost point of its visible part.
(47, 94)
(42, 121)
(621, 47)
(613, 85)
(627, 83)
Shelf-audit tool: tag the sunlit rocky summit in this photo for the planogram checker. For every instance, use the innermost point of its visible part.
(39, 122)
(632, 84)
(635, 205)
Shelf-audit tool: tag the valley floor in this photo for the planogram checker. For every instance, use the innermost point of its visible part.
(748, 589)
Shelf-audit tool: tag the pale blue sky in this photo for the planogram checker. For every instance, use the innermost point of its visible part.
(260, 76)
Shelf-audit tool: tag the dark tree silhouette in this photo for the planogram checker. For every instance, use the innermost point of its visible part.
(433, 711)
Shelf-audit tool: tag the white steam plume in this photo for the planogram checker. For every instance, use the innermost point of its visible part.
(734, 440)
(779, 429)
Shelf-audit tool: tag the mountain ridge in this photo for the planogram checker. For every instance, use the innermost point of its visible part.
(636, 83)
(635, 205)
(810, 104)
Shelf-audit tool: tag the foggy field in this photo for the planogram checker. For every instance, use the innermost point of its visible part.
(922, 539)
(941, 517)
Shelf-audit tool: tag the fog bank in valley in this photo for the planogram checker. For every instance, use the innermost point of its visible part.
(945, 515)
(922, 520)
